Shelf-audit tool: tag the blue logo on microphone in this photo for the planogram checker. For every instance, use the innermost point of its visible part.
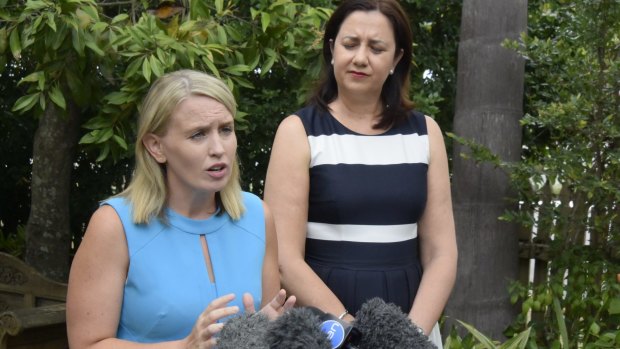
(334, 331)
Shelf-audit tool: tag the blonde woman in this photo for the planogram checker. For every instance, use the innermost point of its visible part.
(168, 259)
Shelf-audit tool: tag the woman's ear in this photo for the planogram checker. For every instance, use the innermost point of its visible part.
(153, 145)
(397, 58)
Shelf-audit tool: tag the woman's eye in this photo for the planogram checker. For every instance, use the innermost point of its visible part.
(377, 50)
(228, 129)
(197, 135)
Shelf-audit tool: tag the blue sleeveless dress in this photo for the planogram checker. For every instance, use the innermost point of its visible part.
(168, 284)
(367, 193)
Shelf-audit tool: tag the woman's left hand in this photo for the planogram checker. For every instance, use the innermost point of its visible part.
(276, 307)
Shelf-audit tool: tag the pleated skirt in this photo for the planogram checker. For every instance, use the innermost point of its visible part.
(357, 272)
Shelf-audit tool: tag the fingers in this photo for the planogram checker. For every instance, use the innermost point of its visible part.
(279, 299)
(248, 303)
(220, 302)
(207, 325)
(208, 333)
(289, 304)
(278, 305)
(211, 316)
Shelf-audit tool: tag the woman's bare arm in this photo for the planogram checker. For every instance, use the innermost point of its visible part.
(286, 193)
(437, 238)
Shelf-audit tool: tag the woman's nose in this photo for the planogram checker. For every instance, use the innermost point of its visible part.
(216, 146)
(361, 57)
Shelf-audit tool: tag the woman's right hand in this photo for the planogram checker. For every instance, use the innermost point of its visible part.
(276, 307)
(207, 325)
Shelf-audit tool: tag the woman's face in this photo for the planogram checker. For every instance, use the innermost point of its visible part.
(363, 53)
(198, 147)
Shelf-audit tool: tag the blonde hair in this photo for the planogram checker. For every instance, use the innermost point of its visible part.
(147, 190)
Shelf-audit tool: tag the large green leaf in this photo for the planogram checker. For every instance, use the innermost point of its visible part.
(15, 44)
(93, 46)
(57, 97)
(271, 58)
(98, 123)
(265, 19)
(156, 66)
(237, 69)
(517, 342)
(219, 6)
(25, 103)
(51, 22)
(77, 39)
(34, 5)
(120, 141)
(485, 341)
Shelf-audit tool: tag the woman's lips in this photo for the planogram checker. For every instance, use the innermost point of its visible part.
(358, 74)
(218, 171)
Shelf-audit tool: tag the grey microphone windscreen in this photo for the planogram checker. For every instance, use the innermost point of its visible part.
(384, 325)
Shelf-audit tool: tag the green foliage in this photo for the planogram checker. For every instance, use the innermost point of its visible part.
(226, 40)
(568, 182)
(479, 152)
(72, 52)
(13, 243)
(435, 26)
(475, 339)
(576, 307)
(573, 134)
(60, 49)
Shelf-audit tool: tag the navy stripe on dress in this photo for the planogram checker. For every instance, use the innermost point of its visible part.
(339, 194)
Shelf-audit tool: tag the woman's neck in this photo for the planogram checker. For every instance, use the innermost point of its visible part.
(195, 206)
(359, 116)
(358, 108)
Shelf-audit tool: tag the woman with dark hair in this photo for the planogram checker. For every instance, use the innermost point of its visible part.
(358, 182)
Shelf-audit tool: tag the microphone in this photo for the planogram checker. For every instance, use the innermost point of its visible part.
(341, 334)
(298, 328)
(377, 325)
(384, 325)
(245, 331)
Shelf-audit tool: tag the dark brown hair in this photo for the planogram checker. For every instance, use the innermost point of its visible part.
(395, 92)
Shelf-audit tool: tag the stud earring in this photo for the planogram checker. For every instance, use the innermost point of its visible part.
(332, 62)
(391, 71)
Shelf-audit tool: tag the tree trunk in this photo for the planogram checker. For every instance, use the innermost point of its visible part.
(48, 232)
(489, 104)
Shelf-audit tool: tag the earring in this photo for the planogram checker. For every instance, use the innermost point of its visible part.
(391, 71)
(332, 62)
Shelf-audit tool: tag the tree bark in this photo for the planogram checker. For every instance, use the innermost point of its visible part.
(489, 104)
(48, 232)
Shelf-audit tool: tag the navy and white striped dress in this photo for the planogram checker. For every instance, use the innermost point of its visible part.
(367, 193)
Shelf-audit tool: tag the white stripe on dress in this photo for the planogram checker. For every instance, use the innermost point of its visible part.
(362, 233)
(369, 150)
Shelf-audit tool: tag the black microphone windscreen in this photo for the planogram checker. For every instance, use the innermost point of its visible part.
(384, 325)
(298, 328)
(246, 331)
